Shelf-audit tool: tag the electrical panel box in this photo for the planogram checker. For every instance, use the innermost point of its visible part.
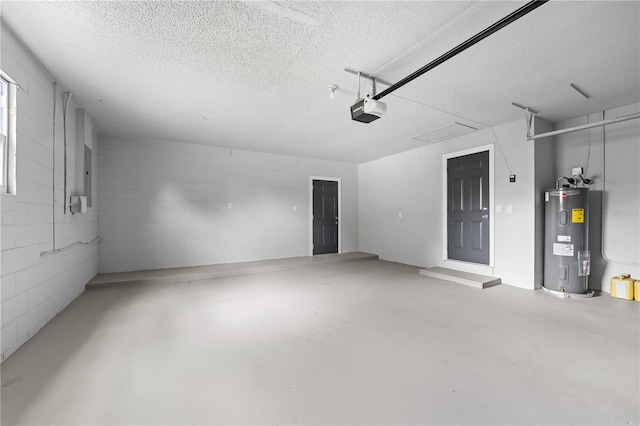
(88, 175)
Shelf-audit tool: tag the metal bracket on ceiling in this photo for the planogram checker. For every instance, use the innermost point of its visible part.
(530, 119)
(531, 136)
(529, 114)
(374, 80)
(367, 76)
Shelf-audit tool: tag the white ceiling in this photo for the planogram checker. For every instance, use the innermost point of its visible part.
(255, 75)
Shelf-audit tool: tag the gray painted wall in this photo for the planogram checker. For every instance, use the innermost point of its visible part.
(166, 204)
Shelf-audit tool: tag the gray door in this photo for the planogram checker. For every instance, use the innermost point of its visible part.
(325, 217)
(468, 208)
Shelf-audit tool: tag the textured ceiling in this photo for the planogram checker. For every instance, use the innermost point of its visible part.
(255, 75)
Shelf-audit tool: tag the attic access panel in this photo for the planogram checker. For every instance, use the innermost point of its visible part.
(445, 132)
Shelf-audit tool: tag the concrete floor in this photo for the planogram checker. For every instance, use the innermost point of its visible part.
(346, 343)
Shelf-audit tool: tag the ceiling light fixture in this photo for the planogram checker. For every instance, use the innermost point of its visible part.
(332, 89)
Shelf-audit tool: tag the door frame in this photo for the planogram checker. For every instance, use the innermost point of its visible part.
(333, 179)
(480, 268)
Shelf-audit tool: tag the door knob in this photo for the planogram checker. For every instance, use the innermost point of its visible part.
(485, 216)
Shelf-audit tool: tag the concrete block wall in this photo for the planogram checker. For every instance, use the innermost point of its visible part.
(166, 204)
(34, 288)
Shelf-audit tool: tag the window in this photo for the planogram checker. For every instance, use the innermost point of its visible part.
(7, 133)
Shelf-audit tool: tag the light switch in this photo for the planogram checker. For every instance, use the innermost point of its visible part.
(295, 208)
(229, 206)
(399, 215)
(509, 208)
(498, 208)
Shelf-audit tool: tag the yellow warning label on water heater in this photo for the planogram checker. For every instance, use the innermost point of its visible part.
(577, 215)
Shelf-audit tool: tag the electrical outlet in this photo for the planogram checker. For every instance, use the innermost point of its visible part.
(512, 178)
(577, 171)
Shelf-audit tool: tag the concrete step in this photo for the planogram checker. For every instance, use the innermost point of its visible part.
(221, 270)
(460, 277)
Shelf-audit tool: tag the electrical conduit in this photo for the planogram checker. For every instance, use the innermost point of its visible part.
(604, 177)
(53, 189)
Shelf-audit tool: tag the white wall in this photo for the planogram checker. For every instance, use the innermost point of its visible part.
(34, 287)
(411, 182)
(544, 179)
(621, 195)
(165, 204)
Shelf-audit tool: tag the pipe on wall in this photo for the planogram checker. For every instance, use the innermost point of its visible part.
(604, 180)
(77, 243)
(53, 210)
(64, 137)
(53, 180)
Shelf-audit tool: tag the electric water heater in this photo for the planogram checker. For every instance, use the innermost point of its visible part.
(566, 256)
